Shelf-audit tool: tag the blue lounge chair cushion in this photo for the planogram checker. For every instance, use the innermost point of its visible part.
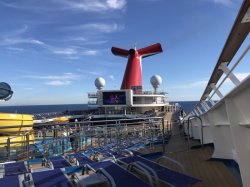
(59, 162)
(14, 168)
(50, 178)
(121, 177)
(11, 181)
(82, 159)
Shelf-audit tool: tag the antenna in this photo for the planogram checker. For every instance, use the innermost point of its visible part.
(135, 45)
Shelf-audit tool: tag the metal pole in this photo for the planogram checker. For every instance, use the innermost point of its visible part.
(91, 141)
(63, 147)
(163, 135)
(27, 144)
(8, 148)
(202, 142)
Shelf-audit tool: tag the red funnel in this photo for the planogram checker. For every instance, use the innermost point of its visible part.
(133, 74)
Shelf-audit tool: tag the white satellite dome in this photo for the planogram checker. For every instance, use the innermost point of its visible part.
(100, 83)
(156, 80)
(5, 91)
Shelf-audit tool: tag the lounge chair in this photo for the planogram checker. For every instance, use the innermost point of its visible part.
(15, 168)
(166, 175)
(117, 175)
(59, 162)
(50, 178)
(81, 159)
(9, 181)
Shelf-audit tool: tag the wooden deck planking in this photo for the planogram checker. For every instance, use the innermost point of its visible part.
(195, 161)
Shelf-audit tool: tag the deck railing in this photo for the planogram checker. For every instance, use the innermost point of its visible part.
(226, 122)
(203, 106)
(237, 37)
(57, 139)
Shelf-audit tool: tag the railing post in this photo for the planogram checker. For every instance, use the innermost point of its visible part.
(210, 99)
(204, 107)
(227, 71)
(213, 86)
(8, 148)
(195, 111)
(163, 135)
(63, 146)
(198, 108)
(44, 135)
(27, 143)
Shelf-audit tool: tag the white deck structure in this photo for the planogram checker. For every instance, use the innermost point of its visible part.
(226, 123)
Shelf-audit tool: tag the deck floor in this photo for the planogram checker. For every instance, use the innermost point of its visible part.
(195, 162)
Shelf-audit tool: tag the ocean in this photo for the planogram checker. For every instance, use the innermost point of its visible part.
(36, 109)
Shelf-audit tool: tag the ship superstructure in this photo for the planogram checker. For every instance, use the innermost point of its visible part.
(131, 99)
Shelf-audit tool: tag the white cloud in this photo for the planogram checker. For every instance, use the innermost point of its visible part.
(196, 84)
(80, 39)
(33, 41)
(69, 52)
(95, 73)
(98, 27)
(14, 48)
(20, 40)
(227, 3)
(203, 83)
(15, 37)
(224, 2)
(95, 42)
(19, 31)
(57, 80)
(89, 53)
(74, 5)
(64, 51)
(193, 90)
(112, 77)
(242, 76)
(58, 83)
(94, 5)
(29, 88)
(116, 4)
(65, 76)
(72, 53)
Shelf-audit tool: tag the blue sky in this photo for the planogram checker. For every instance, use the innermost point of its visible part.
(51, 51)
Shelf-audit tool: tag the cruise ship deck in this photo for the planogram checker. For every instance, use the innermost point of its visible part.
(196, 161)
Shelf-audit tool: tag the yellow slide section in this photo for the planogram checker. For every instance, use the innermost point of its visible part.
(16, 140)
(15, 123)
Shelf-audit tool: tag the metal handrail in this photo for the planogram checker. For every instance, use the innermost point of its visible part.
(230, 71)
(100, 121)
(149, 169)
(235, 39)
(172, 160)
(80, 134)
(108, 176)
(238, 34)
(143, 170)
(202, 142)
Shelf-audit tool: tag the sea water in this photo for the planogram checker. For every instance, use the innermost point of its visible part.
(36, 109)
